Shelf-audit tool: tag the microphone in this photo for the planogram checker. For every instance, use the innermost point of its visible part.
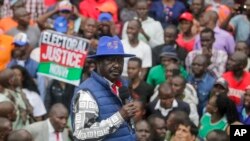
(125, 97)
(124, 94)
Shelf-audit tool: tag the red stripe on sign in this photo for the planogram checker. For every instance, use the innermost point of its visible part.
(61, 56)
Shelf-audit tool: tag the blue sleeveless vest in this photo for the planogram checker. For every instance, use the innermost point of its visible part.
(108, 105)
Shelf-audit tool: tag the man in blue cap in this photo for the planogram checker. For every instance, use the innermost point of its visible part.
(97, 109)
(105, 20)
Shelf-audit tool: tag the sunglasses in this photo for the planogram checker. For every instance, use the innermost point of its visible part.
(65, 12)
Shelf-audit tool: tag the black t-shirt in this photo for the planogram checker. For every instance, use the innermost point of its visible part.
(143, 92)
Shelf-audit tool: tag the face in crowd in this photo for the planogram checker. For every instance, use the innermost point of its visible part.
(110, 67)
(178, 85)
(173, 119)
(22, 16)
(10, 78)
(89, 28)
(20, 52)
(219, 89)
(211, 105)
(171, 70)
(143, 131)
(104, 28)
(166, 96)
(170, 35)
(204, 19)
(140, 113)
(8, 110)
(65, 13)
(197, 6)
(207, 40)
(186, 26)
(58, 117)
(142, 9)
(133, 69)
(158, 129)
(183, 133)
(133, 29)
(237, 62)
(243, 47)
(199, 65)
(5, 128)
(131, 2)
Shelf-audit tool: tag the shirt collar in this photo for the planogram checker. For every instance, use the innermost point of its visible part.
(51, 128)
(109, 82)
(217, 29)
(164, 111)
(118, 83)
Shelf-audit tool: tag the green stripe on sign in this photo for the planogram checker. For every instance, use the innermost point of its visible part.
(56, 70)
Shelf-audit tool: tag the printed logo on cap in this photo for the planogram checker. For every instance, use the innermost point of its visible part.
(112, 45)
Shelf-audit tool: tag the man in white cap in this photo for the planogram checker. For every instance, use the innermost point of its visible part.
(20, 55)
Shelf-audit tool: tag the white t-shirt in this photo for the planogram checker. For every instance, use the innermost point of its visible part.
(152, 28)
(35, 54)
(142, 51)
(36, 102)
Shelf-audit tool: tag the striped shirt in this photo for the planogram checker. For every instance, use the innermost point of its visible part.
(35, 7)
(218, 61)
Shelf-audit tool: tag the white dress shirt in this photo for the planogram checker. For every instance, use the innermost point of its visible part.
(164, 111)
(52, 133)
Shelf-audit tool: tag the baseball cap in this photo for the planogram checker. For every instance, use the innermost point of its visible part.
(221, 81)
(65, 6)
(21, 39)
(186, 16)
(105, 17)
(166, 52)
(61, 24)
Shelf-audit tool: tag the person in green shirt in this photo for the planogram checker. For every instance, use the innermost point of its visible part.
(220, 112)
(156, 74)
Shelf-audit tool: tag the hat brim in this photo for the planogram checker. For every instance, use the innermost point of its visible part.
(20, 43)
(223, 85)
(61, 29)
(186, 19)
(104, 55)
(171, 57)
(65, 9)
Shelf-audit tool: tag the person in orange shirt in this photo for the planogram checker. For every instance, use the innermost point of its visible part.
(6, 47)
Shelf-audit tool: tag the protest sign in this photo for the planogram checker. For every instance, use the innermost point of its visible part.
(62, 56)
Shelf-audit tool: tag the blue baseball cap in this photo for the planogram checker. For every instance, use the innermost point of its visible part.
(110, 46)
(105, 17)
(61, 24)
(168, 51)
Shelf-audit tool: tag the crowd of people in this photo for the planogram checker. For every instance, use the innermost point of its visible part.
(183, 63)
